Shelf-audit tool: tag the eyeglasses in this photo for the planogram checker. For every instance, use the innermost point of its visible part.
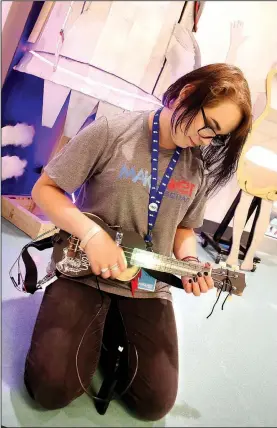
(208, 133)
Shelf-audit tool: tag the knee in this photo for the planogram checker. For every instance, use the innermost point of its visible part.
(48, 388)
(48, 396)
(48, 391)
(49, 376)
(154, 403)
(155, 408)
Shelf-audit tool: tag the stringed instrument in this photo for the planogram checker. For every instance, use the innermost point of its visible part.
(72, 261)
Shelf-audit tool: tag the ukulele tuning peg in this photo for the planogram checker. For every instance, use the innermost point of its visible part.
(235, 268)
(223, 265)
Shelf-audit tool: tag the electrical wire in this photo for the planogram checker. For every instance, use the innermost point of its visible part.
(80, 344)
(136, 353)
(78, 349)
(224, 287)
(22, 289)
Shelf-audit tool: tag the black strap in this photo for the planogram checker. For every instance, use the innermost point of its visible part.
(31, 276)
(168, 278)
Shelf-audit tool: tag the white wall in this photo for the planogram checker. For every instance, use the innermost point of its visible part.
(255, 56)
(259, 50)
(5, 6)
(14, 17)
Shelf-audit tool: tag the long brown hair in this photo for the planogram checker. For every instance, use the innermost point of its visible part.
(211, 85)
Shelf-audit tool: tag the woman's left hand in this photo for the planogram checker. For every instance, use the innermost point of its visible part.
(201, 283)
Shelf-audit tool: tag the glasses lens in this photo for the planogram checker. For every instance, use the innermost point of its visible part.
(206, 133)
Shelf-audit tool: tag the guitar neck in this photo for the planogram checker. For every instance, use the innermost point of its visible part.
(154, 261)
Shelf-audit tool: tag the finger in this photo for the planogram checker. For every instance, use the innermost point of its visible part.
(187, 284)
(114, 270)
(95, 268)
(202, 283)
(107, 273)
(122, 262)
(209, 280)
(195, 287)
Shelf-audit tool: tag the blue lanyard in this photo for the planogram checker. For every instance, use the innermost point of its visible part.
(156, 195)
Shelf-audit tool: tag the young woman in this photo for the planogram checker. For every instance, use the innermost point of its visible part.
(199, 133)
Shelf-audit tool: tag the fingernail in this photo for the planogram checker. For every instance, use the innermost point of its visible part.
(190, 281)
(206, 273)
(195, 279)
(199, 274)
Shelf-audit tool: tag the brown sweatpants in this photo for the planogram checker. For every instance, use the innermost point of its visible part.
(66, 310)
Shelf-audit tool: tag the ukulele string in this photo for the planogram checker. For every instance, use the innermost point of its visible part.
(159, 256)
(191, 265)
(189, 274)
(220, 287)
(129, 257)
(139, 250)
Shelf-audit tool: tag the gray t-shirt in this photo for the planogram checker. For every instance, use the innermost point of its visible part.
(111, 161)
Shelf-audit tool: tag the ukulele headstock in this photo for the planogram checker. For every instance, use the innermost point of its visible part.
(229, 278)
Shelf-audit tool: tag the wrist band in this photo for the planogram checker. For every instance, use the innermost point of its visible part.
(90, 234)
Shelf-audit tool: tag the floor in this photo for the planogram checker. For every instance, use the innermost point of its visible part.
(228, 370)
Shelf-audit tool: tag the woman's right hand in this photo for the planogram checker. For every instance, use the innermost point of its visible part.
(104, 254)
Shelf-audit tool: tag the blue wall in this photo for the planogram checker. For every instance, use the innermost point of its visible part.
(22, 97)
(22, 103)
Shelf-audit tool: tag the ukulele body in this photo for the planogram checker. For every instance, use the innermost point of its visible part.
(72, 261)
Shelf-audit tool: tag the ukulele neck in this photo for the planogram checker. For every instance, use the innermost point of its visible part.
(154, 261)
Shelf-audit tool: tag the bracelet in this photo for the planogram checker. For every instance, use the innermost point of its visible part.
(90, 234)
(191, 258)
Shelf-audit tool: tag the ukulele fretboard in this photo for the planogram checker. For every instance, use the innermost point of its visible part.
(154, 261)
